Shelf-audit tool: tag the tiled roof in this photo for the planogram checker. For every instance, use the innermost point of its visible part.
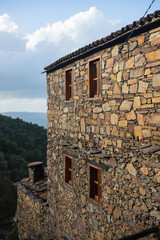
(120, 36)
(36, 190)
(34, 164)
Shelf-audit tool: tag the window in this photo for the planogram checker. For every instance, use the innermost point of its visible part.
(95, 189)
(94, 78)
(69, 85)
(69, 170)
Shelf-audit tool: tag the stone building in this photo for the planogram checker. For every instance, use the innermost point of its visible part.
(32, 207)
(104, 135)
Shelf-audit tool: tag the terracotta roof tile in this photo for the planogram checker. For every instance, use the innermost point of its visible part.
(34, 164)
(37, 189)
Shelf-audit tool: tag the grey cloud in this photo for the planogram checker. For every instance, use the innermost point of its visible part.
(20, 71)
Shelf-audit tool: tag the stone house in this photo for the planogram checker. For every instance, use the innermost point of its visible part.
(32, 205)
(103, 135)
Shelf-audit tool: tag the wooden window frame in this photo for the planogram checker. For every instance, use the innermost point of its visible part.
(67, 97)
(92, 79)
(68, 180)
(96, 198)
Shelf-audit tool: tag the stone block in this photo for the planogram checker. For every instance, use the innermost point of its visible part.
(153, 118)
(126, 105)
(132, 81)
(140, 40)
(157, 178)
(114, 119)
(113, 77)
(138, 72)
(115, 51)
(83, 198)
(131, 115)
(125, 88)
(97, 110)
(138, 132)
(140, 119)
(144, 170)
(110, 209)
(131, 169)
(117, 213)
(105, 86)
(116, 90)
(155, 214)
(125, 75)
(112, 103)
(137, 102)
(119, 143)
(123, 123)
(101, 116)
(147, 71)
(133, 88)
(119, 76)
(155, 39)
(65, 110)
(114, 131)
(142, 87)
(142, 191)
(115, 67)
(109, 63)
(153, 56)
(129, 63)
(156, 100)
(147, 106)
(98, 235)
(156, 80)
(83, 128)
(106, 107)
(139, 60)
(146, 133)
(121, 65)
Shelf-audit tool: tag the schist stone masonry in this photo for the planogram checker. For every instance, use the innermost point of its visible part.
(104, 137)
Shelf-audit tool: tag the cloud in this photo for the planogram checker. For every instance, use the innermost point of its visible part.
(10, 38)
(23, 105)
(80, 29)
(21, 82)
(7, 24)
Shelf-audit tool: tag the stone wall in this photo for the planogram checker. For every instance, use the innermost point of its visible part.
(114, 131)
(32, 217)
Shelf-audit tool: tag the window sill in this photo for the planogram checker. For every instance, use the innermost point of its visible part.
(94, 99)
(70, 187)
(68, 101)
(96, 203)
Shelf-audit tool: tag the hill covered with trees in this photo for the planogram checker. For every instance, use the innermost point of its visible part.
(20, 144)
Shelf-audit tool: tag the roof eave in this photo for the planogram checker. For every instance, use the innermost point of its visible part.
(117, 40)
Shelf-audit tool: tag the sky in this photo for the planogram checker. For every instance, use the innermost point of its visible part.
(35, 33)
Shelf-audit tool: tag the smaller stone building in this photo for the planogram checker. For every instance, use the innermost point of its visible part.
(32, 205)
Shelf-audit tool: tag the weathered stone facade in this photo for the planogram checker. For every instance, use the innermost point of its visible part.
(118, 132)
(32, 208)
(32, 218)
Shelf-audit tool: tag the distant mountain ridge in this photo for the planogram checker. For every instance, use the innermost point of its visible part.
(38, 118)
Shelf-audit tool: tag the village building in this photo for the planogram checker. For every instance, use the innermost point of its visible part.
(103, 135)
(103, 154)
(32, 207)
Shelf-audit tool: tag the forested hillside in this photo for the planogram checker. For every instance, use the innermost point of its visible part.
(20, 144)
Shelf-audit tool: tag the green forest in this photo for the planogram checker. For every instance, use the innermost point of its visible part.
(20, 144)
